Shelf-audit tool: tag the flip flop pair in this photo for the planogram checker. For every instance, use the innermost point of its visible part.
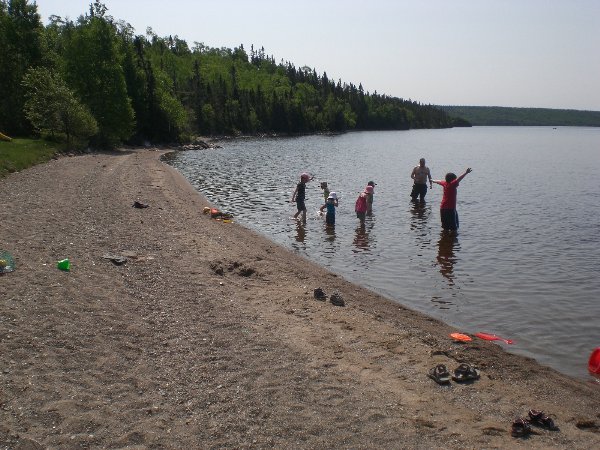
(522, 427)
(462, 373)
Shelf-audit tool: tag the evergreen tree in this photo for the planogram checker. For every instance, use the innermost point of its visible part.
(20, 49)
(174, 91)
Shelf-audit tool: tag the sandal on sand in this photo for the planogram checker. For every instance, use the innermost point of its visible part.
(540, 419)
(319, 294)
(440, 374)
(520, 427)
(465, 372)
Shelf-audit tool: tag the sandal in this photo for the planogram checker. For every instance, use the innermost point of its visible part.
(440, 374)
(520, 427)
(540, 419)
(319, 294)
(465, 372)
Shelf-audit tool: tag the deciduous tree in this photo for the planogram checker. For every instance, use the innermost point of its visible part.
(53, 108)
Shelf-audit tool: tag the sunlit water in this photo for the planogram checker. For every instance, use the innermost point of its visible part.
(525, 264)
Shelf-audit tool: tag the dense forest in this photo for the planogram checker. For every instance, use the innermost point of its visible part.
(95, 79)
(496, 115)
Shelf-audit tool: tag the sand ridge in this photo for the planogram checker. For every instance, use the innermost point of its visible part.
(209, 335)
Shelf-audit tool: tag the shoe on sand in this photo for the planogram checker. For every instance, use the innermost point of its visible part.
(538, 418)
(319, 294)
(520, 427)
(465, 372)
(440, 374)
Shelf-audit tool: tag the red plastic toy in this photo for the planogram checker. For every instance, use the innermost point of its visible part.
(594, 363)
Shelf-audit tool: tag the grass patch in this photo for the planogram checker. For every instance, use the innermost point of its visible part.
(20, 154)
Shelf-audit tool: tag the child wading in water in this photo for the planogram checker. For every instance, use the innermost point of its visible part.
(299, 196)
(448, 212)
(361, 205)
(330, 204)
(370, 197)
(325, 195)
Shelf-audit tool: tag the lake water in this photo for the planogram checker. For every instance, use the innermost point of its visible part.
(524, 265)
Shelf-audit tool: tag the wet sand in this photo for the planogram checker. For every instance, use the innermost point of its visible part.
(209, 335)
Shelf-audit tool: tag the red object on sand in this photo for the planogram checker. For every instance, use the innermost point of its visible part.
(493, 337)
(594, 363)
(460, 337)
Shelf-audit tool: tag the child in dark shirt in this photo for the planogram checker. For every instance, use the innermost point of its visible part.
(299, 196)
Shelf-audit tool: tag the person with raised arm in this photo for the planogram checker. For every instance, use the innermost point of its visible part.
(448, 212)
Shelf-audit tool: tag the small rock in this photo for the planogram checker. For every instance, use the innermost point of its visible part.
(336, 299)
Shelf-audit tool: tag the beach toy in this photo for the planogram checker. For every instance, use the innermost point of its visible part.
(227, 221)
(7, 262)
(594, 362)
(493, 337)
(460, 337)
(64, 264)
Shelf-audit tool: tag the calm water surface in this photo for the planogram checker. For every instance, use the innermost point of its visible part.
(525, 264)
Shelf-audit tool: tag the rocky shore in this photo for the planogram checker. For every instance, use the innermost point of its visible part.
(175, 330)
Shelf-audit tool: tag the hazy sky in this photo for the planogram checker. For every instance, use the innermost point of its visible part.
(525, 53)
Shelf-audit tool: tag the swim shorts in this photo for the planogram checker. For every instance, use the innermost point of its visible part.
(330, 219)
(300, 205)
(418, 189)
(449, 219)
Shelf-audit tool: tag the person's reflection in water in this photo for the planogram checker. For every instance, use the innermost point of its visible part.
(419, 215)
(447, 248)
(300, 232)
(361, 239)
(330, 232)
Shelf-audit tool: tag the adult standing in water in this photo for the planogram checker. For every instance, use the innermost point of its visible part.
(420, 174)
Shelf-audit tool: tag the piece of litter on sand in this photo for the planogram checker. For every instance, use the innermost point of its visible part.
(7, 262)
(64, 265)
(115, 259)
(140, 205)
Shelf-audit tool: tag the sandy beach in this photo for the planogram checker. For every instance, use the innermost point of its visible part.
(209, 336)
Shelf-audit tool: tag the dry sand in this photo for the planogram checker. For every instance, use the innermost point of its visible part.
(209, 335)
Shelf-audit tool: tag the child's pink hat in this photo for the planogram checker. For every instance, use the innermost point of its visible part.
(304, 176)
(369, 189)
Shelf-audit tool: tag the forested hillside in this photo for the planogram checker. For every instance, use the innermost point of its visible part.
(496, 115)
(94, 78)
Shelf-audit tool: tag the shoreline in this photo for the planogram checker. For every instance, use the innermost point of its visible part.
(209, 335)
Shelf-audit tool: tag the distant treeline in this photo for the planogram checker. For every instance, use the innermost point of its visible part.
(94, 79)
(496, 115)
